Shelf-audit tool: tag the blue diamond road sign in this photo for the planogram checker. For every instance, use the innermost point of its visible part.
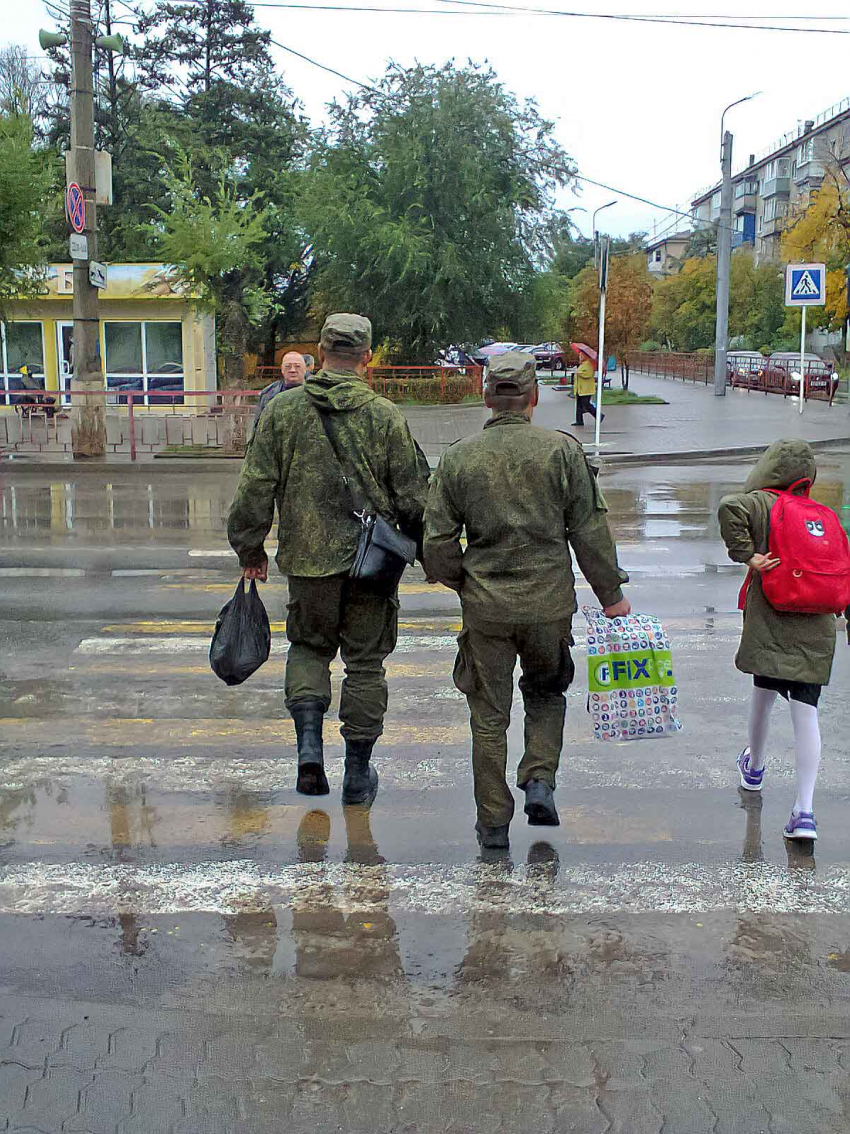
(805, 285)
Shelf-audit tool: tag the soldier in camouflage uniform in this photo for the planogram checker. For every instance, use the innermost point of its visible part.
(290, 462)
(523, 496)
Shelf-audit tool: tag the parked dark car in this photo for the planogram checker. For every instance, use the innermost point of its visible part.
(745, 367)
(549, 356)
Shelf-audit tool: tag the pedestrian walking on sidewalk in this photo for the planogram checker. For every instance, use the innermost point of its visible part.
(522, 496)
(294, 368)
(585, 383)
(292, 462)
(788, 654)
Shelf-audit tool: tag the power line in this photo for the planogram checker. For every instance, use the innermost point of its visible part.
(676, 21)
(485, 8)
(330, 70)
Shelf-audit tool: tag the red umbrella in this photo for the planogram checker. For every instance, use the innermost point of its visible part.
(583, 348)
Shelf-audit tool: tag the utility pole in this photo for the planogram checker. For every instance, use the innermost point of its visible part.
(89, 432)
(724, 256)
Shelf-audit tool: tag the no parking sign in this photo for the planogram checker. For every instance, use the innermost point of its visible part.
(75, 203)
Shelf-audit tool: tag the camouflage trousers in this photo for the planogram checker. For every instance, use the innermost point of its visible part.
(335, 613)
(484, 671)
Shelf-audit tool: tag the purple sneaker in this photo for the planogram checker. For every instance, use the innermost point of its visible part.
(801, 826)
(750, 780)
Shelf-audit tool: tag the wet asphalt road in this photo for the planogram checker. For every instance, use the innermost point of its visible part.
(188, 945)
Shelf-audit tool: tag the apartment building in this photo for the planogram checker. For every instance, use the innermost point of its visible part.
(665, 254)
(776, 185)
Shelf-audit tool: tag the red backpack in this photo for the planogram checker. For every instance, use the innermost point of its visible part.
(813, 575)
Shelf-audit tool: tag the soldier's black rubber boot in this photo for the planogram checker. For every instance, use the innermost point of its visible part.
(540, 805)
(308, 716)
(360, 781)
(493, 838)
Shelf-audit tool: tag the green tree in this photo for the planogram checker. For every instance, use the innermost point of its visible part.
(27, 184)
(191, 47)
(684, 306)
(427, 204)
(215, 243)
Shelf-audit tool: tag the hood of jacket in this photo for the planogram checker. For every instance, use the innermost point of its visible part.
(338, 391)
(782, 463)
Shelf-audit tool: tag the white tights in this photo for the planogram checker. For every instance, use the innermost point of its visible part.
(806, 741)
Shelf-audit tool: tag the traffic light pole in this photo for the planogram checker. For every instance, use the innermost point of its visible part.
(89, 430)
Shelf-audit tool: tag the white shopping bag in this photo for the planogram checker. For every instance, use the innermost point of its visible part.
(632, 693)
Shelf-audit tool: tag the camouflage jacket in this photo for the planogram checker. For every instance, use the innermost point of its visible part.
(290, 463)
(523, 495)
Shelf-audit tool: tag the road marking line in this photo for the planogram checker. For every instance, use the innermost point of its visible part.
(172, 666)
(101, 889)
(165, 626)
(187, 732)
(407, 644)
(42, 572)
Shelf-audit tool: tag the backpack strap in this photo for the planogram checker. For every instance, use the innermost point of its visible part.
(807, 480)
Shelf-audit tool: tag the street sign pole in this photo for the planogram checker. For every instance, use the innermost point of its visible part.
(803, 359)
(89, 428)
(805, 286)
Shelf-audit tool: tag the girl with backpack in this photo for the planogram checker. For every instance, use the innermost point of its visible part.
(799, 580)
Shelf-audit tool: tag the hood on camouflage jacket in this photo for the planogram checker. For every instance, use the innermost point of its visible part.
(334, 393)
(781, 464)
(774, 643)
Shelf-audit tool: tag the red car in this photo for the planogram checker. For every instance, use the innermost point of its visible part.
(549, 356)
(821, 379)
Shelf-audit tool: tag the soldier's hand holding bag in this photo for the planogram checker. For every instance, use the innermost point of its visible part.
(632, 693)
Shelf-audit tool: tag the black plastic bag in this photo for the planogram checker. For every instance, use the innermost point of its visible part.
(243, 638)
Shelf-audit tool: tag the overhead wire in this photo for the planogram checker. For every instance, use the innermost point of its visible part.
(684, 21)
(486, 7)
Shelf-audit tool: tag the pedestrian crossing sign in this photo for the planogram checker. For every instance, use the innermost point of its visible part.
(805, 285)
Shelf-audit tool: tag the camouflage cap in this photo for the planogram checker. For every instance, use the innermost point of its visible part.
(511, 374)
(345, 333)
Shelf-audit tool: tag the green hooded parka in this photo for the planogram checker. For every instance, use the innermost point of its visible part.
(774, 643)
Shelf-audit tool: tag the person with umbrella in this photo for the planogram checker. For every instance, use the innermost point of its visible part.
(585, 382)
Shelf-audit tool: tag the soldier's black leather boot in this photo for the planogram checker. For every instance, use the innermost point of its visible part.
(308, 716)
(360, 782)
(492, 838)
(540, 805)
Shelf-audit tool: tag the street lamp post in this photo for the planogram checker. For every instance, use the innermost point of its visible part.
(603, 287)
(724, 253)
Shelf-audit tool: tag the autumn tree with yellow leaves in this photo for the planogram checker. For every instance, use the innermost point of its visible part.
(628, 304)
(821, 234)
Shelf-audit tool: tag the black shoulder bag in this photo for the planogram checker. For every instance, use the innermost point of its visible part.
(383, 551)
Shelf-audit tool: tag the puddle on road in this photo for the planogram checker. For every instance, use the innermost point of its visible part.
(646, 503)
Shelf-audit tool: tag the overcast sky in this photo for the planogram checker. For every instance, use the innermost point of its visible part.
(637, 105)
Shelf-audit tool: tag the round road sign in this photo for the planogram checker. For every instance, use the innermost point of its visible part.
(76, 205)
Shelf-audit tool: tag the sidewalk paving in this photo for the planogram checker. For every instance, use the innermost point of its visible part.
(694, 424)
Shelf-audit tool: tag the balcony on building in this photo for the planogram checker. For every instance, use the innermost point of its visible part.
(746, 193)
(809, 172)
(777, 178)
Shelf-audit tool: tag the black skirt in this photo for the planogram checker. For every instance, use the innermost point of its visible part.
(804, 691)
